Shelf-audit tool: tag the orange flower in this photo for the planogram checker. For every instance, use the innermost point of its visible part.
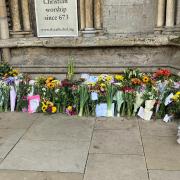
(50, 85)
(136, 81)
(49, 79)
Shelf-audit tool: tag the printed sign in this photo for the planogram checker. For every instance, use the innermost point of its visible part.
(56, 18)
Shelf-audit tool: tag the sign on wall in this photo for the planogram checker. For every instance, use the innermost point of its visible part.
(56, 18)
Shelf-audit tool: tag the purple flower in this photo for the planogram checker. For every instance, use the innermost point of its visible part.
(10, 80)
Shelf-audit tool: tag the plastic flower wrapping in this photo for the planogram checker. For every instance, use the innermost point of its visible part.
(128, 93)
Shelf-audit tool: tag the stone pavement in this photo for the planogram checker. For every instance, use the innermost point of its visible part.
(58, 147)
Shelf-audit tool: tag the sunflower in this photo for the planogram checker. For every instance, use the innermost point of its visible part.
(49, 79)
(119, 77)
(145, 79)
(44, 108)
(50, 85)
(54, 109)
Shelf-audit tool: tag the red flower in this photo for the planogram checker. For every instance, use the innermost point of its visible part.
(162, 72)
(128, 90)
(66, 83)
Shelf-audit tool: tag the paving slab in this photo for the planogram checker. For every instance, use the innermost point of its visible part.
(164, 175)
(60, 127)
(21, 175)
(162, 153)
(116, 123)
(17, 120)
(35, 175)
(115, 167)
(8, 138)
(63, 156)
(157, 128)
(63, 176)
(117, 142)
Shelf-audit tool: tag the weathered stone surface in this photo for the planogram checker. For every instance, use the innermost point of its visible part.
(164, 175)
(162, 153)
(124, 16)
(63, 156)
(115, 167)
(100, 41)
(117, 142)
(90, 60)
(61, 128)
(116, 123)
(8, 139)
(157, 128)
(17, 120)
(31, 175)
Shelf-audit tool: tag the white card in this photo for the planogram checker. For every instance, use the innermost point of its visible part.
(144, 114)
(169, 99)
(92, 79)
(94, 96)
(101, 110)
(34, 104)
(141, 112)
(85, 76)
(167, 118)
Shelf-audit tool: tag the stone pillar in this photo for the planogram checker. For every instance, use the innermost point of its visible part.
(4, 29)
(82, 15)
(161, 13)
(15, 15)
(98, 14)
(170, 13)
(25, 15)
(89, 15)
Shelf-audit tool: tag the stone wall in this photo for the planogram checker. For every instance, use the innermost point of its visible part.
(94, 60)
(129, 16)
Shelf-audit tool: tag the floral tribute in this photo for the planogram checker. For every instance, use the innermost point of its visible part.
(129, 93)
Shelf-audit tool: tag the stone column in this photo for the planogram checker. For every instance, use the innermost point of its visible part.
(15, 15)
(25, 15)
(170, 13)
(98, 14)
(89, 15)
(161, 13)
(4, 29)
(82, 15)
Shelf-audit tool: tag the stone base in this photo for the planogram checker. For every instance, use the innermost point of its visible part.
(20, 34)
(89, 32)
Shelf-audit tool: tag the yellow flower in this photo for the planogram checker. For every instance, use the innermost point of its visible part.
(119, 77)
(109, 78)
(175, 98)
(69, 108)
(100, 78)
(102, 85)
(146, 79)
(178, 93)
(15, 72)
(54, 109)
(44, 108)
(49, 103)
